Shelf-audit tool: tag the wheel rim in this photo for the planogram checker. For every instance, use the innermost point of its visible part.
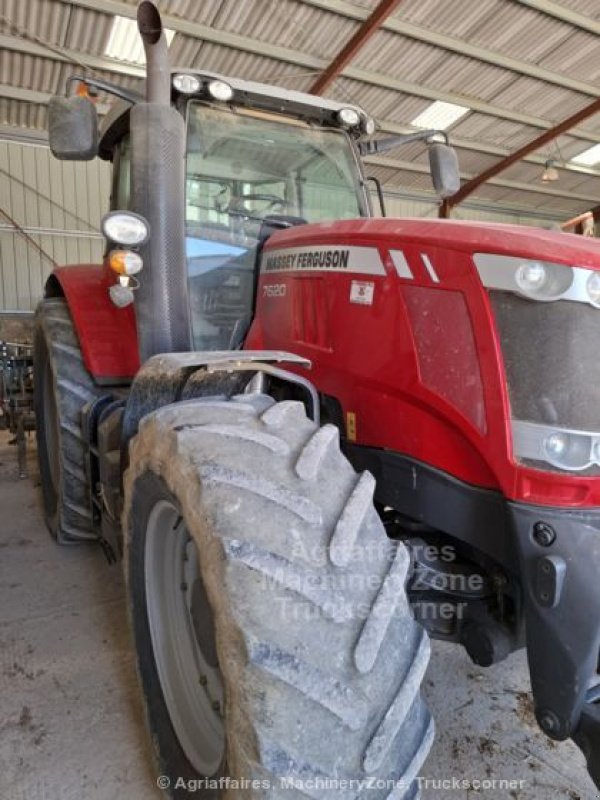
(51, 427)
(182, 633)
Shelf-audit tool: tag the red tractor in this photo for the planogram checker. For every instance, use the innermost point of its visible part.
(205, 396)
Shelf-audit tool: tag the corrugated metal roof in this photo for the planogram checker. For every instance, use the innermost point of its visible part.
(591, 125)
(30, 72)
(494, 131)
(247, 65)
(205, 12)
(44, 18)
(519, 32)
(390, 53)
(88, 31)
(448, 17)
(310, 32)
(588, 7)
(45, 75)
(383, 104)
(468, 77)
(23, 115)
(410, 60)
(576, 56)
(288, 24)
(552, 103)
(472, 163)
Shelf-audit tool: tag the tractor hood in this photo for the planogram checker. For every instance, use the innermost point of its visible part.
(514, 240)
(493, 328)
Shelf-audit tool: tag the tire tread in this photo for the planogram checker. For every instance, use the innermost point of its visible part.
(73, 387)
(322, 691)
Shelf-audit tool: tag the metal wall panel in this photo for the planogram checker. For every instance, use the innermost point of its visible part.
(399, 206)
(59, 204)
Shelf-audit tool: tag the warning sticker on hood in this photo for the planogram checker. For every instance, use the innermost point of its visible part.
(361, 292)
(333, 258)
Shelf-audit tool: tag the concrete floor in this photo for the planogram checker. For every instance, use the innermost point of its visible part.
(70, 719)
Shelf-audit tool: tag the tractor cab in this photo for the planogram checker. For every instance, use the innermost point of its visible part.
(257, 159)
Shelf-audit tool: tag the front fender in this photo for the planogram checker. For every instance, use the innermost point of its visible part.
(177, 377)
(107, 334)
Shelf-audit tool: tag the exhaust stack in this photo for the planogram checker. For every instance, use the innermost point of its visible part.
(158, 78)
(158, 193)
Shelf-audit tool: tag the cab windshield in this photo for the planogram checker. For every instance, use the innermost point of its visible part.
(240, 169)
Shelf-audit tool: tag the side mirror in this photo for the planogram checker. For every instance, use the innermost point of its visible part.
(73, 128)
(443, 163)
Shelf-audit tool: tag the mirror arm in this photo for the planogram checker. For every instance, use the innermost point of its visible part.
(105, 86)
(375, 146)
(377, 183)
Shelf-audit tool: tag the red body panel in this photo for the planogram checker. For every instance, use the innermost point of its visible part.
(107, 334)
(433, 392)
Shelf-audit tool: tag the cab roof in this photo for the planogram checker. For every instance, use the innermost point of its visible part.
(246, 94)
(275, 98)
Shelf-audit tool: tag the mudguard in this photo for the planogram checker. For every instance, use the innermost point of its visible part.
(107, 334)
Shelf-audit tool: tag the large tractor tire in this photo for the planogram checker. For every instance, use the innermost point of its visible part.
(274, 638)
(62, 387)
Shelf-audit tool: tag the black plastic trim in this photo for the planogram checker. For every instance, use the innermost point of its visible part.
(554, 554)
(562, 603)
(473, 515)
(117, 380)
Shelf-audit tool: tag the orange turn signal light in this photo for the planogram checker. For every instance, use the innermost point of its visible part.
(125, 262)
(84, 90)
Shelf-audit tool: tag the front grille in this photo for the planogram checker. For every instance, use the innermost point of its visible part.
(552, 359)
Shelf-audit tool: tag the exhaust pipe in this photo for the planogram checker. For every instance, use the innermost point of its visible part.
(158, 193)
(158, 78)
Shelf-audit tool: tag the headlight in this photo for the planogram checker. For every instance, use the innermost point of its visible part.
(348, 116)
(531, 276)
(569, 450)
(125, 228)
(368, 126)
(219, 90)
(186, 84)
(593, 288)
(538, 280)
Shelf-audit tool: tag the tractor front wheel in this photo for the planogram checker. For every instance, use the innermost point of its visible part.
(276, 650)
(62, 386)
